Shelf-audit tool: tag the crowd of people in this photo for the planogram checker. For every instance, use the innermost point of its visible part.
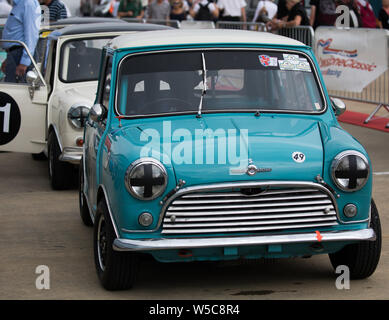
(286, 13)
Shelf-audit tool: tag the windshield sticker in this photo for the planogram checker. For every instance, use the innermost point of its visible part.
(293, 62)
(267, 61)
(317, 106)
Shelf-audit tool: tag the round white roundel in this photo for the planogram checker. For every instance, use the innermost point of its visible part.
(298, 157)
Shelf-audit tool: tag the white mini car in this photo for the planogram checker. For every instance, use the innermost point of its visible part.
(46, 113)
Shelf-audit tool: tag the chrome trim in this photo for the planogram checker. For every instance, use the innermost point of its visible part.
(189, 243)
(71, 154)
(339, 158)
(242, 184)
(109, 210)
(199, 48)
(139, 162)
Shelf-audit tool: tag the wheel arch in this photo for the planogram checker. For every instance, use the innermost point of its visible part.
(103, 196)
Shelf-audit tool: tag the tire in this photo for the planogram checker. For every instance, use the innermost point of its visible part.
(84, 210)
(61, 174)
(362, 258)
(115, 270)
(39, 156)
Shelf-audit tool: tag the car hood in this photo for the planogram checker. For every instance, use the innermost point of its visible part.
(282, 147)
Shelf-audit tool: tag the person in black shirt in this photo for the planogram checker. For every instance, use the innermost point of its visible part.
(297, 16)
(178, 12)
(383, 15)
(323, 13)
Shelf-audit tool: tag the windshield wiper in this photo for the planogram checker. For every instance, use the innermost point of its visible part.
(204, 86)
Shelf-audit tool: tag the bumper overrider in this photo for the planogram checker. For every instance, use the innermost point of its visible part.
(191, 243)
(71, 154)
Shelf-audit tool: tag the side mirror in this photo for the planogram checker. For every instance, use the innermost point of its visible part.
(33, 79)
(338, 106)
(97, 112)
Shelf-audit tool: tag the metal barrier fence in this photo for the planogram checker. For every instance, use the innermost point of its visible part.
(171, 23)
(253, 26)
(305, 34)
(192, 24)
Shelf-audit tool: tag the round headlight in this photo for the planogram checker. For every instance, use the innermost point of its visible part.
(77, 116)
(350, 170)
(146, 179)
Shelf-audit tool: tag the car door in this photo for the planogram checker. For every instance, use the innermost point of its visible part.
(94, 131)
(22, 108)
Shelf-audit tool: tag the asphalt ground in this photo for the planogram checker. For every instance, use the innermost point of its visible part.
(42, 227)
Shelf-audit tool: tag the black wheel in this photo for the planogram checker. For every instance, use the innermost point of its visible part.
(361, 258)
(61, 173)
(116, 270)
(39, 156)
(84, 210)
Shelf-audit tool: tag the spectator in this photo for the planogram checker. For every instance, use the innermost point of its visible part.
(178, 11)
(204, 10)
(354, 19)
(159, 10)
(22, 24)
(367, 14)
(322, 13)
(266, 11)
(57, 9)
(297, 16)
(5, 8)
(282, 12)
(114, 8)
(232, 10)
(383, 15)
(86, 7)
(130, 9)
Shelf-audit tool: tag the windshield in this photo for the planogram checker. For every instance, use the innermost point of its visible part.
(80, 59)
(235, 80)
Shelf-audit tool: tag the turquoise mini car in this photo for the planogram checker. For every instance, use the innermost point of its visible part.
(209, 145)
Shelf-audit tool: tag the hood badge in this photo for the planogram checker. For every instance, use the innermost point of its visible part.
(252, 169)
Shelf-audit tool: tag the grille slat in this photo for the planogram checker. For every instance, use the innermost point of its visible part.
(228, 212)
(238, 194)
(250, 205)
(209, 201)
(236, 211)
(248, 223)
(249, 217)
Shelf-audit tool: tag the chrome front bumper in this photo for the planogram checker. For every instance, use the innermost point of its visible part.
(71, 154)
(191, 243)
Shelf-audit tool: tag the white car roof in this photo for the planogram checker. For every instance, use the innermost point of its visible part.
(201, 36)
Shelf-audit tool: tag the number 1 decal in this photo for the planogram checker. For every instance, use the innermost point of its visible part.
(7, 112)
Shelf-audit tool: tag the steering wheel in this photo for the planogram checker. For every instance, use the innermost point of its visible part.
(160, 101)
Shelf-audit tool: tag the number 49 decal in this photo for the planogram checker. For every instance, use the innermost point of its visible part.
(298, 157)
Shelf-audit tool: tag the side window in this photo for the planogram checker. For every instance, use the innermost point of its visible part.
(106, 88)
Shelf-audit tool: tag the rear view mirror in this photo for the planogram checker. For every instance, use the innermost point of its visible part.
(338, 106)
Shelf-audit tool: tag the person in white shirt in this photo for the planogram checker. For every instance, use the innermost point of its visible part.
(5, 8)
(233, 10)
(266, 10)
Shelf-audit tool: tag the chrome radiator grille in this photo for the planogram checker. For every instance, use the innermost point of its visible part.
(233, 211)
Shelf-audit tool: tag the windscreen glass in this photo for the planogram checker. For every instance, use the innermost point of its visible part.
(231, 80)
